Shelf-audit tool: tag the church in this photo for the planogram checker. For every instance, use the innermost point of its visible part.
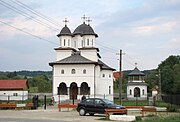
(78, 70)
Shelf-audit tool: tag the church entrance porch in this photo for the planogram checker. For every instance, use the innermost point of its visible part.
(73, 91)
(136, 92)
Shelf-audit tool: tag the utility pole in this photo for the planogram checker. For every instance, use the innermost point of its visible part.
(120, 76)
(160, 84)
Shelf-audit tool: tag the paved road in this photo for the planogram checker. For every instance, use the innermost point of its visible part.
(45, 116)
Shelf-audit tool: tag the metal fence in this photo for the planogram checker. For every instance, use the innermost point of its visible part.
(172, 99)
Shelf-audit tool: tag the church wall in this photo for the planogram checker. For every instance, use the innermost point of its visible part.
(77, 41)
(65, 41)
(78, 77)
(61, 54)
(105, 84)
(89, 40)
(90, 54)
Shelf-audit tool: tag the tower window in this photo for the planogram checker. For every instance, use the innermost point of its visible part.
(84, 71)
(88, 42)
(62, 71)
(92, 42)
(64, 42)
(68, 42)
(103, 75)
(130, 92)
(73, 71)
(109, 75)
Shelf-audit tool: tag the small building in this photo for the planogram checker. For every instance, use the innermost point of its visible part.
(13, 90)
(136, 86)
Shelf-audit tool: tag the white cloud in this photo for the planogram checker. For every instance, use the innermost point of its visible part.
(173, 43)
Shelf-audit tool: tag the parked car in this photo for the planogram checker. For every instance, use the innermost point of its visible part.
(95, 105)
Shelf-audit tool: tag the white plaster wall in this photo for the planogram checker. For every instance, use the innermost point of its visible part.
(79, 77)
(61, 54)
(104, 82)
(92, 40)
(22, 95)
(78, 40)
(90, 54)
(66, 44)
(141, 92)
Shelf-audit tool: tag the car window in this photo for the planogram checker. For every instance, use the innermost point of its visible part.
(97, 101)
(89, 101)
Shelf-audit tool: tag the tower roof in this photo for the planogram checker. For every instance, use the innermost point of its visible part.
(65, 31)
(136, 72)
(84, 29)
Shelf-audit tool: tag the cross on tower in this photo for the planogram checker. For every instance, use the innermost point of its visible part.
(136, 64)
(84, 18)
(89, 20)
(65, 21)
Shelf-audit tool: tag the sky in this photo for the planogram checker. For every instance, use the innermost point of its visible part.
(147, 31)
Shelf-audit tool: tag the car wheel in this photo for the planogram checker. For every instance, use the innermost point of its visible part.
(82, 112)
(91, 114)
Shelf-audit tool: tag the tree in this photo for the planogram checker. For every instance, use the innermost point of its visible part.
(170, 75)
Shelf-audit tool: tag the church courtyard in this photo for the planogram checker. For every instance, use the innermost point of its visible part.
(53, 115)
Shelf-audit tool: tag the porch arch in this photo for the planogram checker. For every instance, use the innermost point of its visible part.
(84, 89)
(136, 92)
(62, 89)
(73, 90)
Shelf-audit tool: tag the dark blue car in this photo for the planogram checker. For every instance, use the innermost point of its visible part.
(95, 105)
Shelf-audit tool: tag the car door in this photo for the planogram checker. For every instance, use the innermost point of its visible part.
(89, 105)
(99, 105)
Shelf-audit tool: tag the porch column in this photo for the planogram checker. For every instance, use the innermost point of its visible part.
(79, 90)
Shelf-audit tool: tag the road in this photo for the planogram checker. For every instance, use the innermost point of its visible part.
(41, 115)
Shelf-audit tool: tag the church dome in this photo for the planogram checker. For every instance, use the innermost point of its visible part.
(65, 32)
(84, 29)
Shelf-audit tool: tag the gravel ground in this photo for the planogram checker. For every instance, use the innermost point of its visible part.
(49, 115)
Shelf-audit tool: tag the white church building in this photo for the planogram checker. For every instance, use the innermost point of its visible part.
(136, 86)
(78, 69)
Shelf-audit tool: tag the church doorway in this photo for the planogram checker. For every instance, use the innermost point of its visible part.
(62, 89)
(85, 89)
(73, 91)
(136, 92)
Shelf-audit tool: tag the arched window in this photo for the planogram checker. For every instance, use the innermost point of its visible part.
(109, 89)
(109, 75)
(64, 42)
(68, 42)
(92, 42)
(62, 89)
(130, 92)
(143, 92)
(103, 75)
(62, 71)
(73, 71)
(84, 90)
(87, 42)
(84, 71)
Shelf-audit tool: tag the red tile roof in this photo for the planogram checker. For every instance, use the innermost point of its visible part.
(13, 84)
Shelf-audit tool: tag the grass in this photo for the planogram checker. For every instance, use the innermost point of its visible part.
(173, 118)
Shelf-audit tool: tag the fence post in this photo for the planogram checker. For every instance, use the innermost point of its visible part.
(44, 102)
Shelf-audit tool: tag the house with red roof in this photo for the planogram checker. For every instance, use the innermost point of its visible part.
(14, 90)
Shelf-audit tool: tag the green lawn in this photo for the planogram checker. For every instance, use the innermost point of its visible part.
(173, 118)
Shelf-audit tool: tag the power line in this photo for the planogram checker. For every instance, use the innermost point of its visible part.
(7, 5)
(26, 7)
(27, 32)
